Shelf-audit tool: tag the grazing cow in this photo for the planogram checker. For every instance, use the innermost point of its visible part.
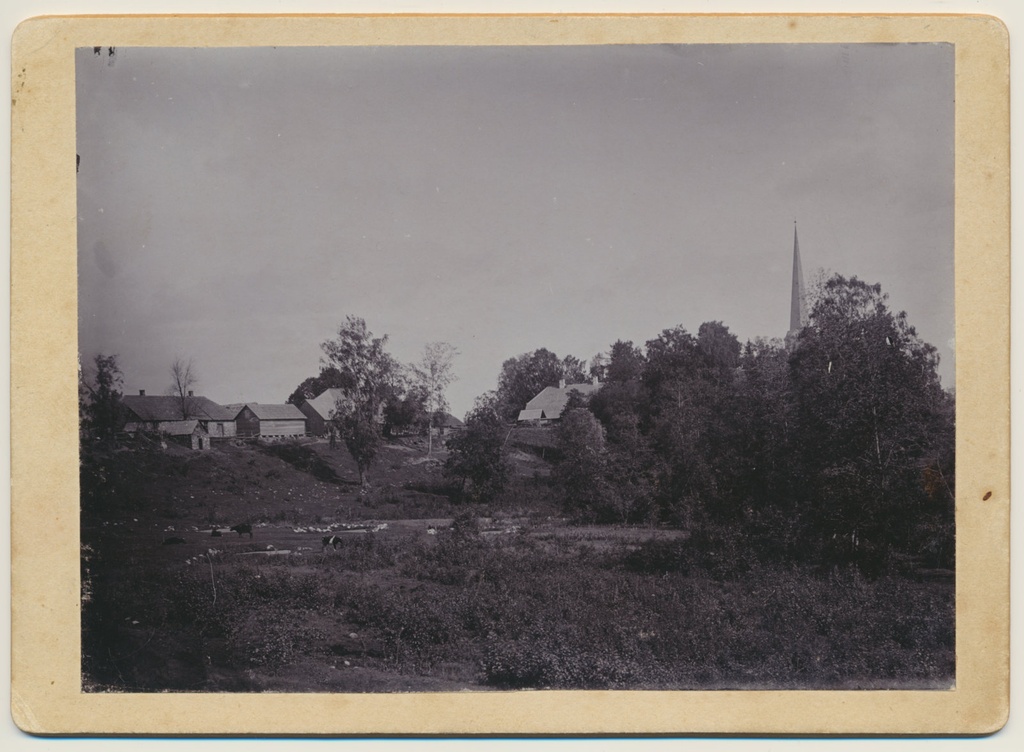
(331, 540)
(173, 541)
(243, 528)
(215, 533)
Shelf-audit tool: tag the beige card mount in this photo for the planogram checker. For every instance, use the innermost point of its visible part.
(225, 189)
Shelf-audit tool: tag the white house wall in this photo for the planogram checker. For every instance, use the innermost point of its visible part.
(282, 428)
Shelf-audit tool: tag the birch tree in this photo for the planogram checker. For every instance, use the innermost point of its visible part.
(870, 406)
(434, 374)
(369, 374)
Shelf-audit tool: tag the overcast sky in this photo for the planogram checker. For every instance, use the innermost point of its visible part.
(236, 204)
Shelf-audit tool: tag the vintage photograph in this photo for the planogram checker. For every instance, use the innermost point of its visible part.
(446, 368)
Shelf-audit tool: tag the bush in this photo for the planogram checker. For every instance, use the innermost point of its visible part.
(272, 636)
(363, 553)
(476, 457)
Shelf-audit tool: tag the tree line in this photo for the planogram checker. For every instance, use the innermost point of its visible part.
(379, 395)
(838, 447)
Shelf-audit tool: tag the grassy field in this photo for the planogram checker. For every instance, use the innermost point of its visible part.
(423, 594)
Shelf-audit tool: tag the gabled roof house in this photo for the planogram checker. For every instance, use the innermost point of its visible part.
(550, 403)
(163, 413)
(255, 419)
(320, 409)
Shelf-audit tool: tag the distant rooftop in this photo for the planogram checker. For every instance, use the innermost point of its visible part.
(549, 404)
(162, 408)
(275, 412)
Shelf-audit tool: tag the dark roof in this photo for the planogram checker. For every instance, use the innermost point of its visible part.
(450, 421)
(275, 412)
(162, 408)
(180, 427)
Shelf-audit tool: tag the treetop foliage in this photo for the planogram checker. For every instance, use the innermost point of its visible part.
(367, 371)
(328, 378)
(838, 449)
(523, 377)
(476, 456)
(369, 376)
(99, 397)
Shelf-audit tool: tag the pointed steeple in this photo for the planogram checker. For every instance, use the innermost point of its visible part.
(797, 305)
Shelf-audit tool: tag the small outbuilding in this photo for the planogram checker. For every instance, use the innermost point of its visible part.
(448, 423)
(189, 433)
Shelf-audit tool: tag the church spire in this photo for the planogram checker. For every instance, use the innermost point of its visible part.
(797, 305)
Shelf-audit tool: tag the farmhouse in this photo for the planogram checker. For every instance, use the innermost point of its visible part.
(549, 404)
(156, 412)
(448, 423)
(255, 419)
(320, 409)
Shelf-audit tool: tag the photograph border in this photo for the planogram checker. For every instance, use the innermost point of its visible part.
(46, 593)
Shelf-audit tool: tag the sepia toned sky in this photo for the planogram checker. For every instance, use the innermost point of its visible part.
(236, 204)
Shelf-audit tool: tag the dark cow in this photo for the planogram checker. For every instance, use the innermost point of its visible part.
(173, 541)
(242, 529)
(331, 540)
(215, 533)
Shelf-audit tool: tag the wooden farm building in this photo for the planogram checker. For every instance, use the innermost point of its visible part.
(320, 409)
(448, 423)
(156, 413)
(549, 404)
(255, 419)
(189, 433)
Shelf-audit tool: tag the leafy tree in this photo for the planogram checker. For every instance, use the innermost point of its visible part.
(688, 402)
(434, 375)
(489, 400)
(403, 411)
(766, 476)
(183, 378)
(672, 360)
(618, 398)
(719, 345)
(523, 377)
(476, 456)
(370, 376)
(625, 363)
(869, 402)
(932, 534)
(363, 439)
(574, 370)
(100, 397)
(314, 386)
(632, 470)
(621, 399)
(367, 372)
(582, 465)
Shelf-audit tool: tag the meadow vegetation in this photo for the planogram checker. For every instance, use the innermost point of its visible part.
(459, 595)
(718, 515)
